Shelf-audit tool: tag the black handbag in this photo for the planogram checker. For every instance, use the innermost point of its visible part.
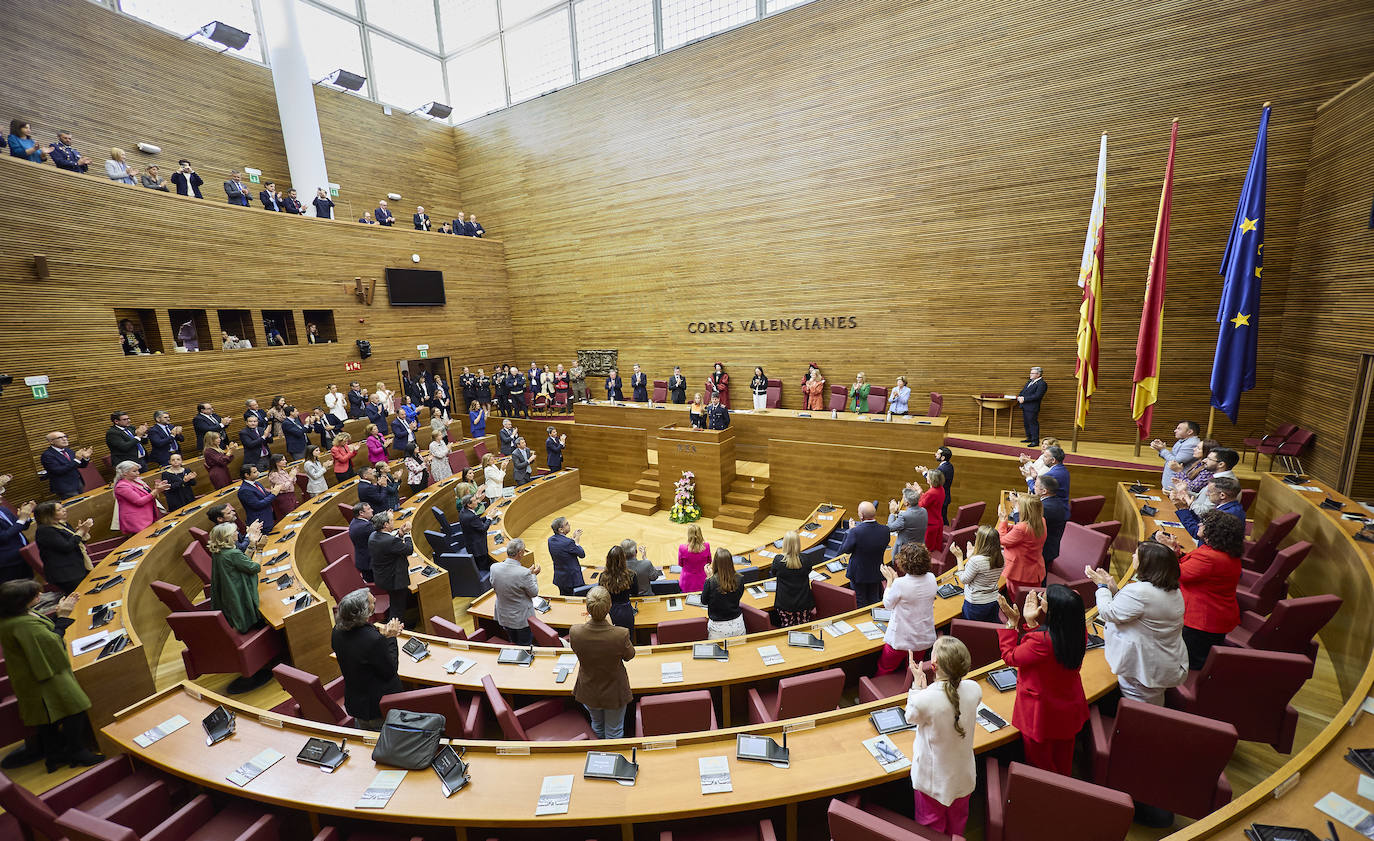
(409, 740)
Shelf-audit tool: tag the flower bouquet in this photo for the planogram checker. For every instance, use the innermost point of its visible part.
(685, 508)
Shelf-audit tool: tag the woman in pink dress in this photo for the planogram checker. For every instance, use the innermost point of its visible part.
(137, 502)
(933, 501)
(376, 445)
(693, 557)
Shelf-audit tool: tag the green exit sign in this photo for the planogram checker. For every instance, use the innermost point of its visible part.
(40, 392)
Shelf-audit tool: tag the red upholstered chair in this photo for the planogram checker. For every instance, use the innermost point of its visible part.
(937, 404)
(660, 391)
(342, 578)
(724, 829)
(1292, 626)
(980, 638)
(91, 479)
(175, 598)
(201, 535)
(540, 403)
(1084, 509)
(312, 699)
(679, 630)
(864, 821)
(1258, 591)
(1260, 553)
(774, 398)
(462, 716)
(549, 720)
(544, 636)
(346, 510)
(755, 620)
(1271, 441)
(676, 712)
(113, 791)
(212, 647)
(943, 561)
(1029, 804)
(198, 560)
(196, 821)
(1247, 497)
(1111, 528)
(448, 630)
(12, 727)
(1169, 759)
(337, 547)
(457, 461)
(795, 696)
(332, 531)
(100, 548)
(1248, 688)
(839, 396)
(877, 399)
(31, 556)
(968, 515)
(1080, 547)
(301, 481)
(479, 450)
(832, 600)
(892, 684)
(1291, 450)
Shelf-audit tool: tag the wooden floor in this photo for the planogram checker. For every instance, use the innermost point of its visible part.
(602, 522)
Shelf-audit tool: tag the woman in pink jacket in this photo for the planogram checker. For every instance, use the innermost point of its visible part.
(376, 445)
(693, 556)
(137, 502)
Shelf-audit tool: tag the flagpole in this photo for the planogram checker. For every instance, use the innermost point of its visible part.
(1077, 406)
(1211, 416)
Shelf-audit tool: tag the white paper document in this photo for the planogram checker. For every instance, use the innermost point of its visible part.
(379, 791)
(90, 642)
(244, 774)
(870, 631)
(555, 795)
(838, 628)
(1347, 813)
(152, 734)
(770, 655)
(672, 672)
(715, 774)
(458, 665)
(887, 753)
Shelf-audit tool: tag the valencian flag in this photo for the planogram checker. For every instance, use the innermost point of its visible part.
(1090, 279)
(1233, 370)
(1149, 344)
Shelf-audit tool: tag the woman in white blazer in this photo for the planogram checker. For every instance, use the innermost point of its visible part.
(336, 403)
(943, 773)
(1144, 625)
(495, 476)
(911, 598)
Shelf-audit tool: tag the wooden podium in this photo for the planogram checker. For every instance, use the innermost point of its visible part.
(707, 453)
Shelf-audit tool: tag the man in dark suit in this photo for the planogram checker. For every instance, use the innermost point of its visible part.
(1056, 510)
(359, 531)
(390, 547)
(327, 425)
(371, 492)
(13, 524)
(295, 432)
(421, 219)
(460, 225)
(292, 204)
(384, 215)
(376, 413)
(65, 156)
(515, 385)
(717, 416)
(474, 528)
(865, 543)
(270, 198)
(473, 229)
(564, 552)
(402, 433)
(186, 180)
(255, 442)
(639, 384)
(1054, 456)
(236, 190)
(207, 421)
(677, 386)
(1029, 398)
(355, 400)
(522, 462)
(164, 438)
(553, 449)
(508, 437)
(250, 408)
(125, 442)
(257, 500)
(421, 394)
(63, 465)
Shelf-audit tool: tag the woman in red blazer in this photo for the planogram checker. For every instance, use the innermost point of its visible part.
(1023, 541)
(1050, 705)
(1208, 576)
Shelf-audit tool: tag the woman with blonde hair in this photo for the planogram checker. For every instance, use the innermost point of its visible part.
(693, 556)
(343, 451)
(794, 602)
(387, 397)
(979, 572)
(118, 170)
(720, 596)
(1023, 541)
(814, 389)
(943, 770)
(696, 412)
(858, 394)
(620, 583)
(217, 459)
(603, 685)
(233, 579)
(494, 475)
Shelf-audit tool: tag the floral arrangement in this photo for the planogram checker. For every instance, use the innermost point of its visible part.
(685, 508)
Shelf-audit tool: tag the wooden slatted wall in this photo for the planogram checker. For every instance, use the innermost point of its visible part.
(1329, 319)
(111, 247)
(925, 167)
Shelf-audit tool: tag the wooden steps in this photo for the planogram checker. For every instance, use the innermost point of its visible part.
(644, 496)
(744, 506)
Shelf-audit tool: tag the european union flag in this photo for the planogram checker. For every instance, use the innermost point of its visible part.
(1233, 369)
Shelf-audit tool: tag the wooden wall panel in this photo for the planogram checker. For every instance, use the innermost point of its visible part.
(132, 248)
(924, 167)
(114, 81)
(1327, 323)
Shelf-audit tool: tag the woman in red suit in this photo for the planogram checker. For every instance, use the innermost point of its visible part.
(1208, 576)
(1023, 541)
(933, 501)
(814, 390)
(719, 383)
(1048, 655)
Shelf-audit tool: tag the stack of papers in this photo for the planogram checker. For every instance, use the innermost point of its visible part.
(458, 665)
(245, 773)
(870, 631)
(770, 655)
(715, 774)
(883, 749)
(838, 628)
(555, 795)
(379, 791)
(152, 734)
(815, 576)
(672, 672)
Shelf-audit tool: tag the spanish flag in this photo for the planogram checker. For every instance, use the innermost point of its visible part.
(1090, 280)
(1149, 343)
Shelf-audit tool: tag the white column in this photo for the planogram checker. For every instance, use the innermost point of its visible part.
(300, 124)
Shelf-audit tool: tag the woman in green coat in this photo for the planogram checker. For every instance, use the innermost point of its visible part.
(858, 394)
(40, 671)
(233, 579)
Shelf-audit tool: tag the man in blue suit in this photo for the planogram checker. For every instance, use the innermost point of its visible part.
(250, 407)
(270, 198)
(1056, 511)
(384, 215)
(1029, 398)
(292, 204)
(13, 524)
(236, 190)
(295, 433)
(371, 492)
(65, 156)
(359, 531)
(257, 500)
(355, 400)
(164, 438)
(1054, 456)
(376, 413)
(1224, 492)
(402, 433)
(473, 227)
(255, 440)
(564, 552)
(865, 543)
(63, 465)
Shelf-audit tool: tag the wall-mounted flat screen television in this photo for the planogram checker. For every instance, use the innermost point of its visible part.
(414, 288)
